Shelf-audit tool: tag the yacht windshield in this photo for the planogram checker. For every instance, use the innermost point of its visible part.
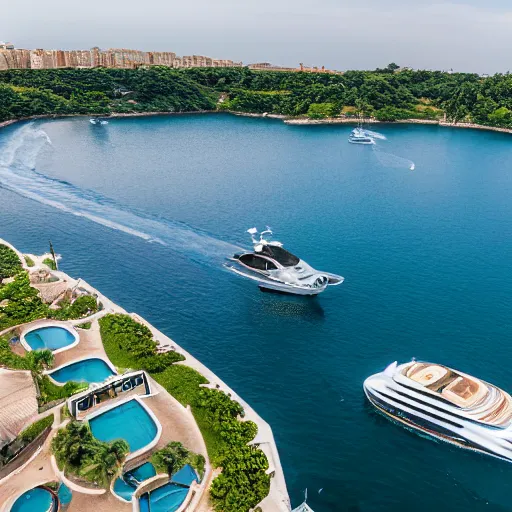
(287, 259)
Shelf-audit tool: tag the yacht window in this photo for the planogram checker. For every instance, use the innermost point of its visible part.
(287, 259)
(253, 261)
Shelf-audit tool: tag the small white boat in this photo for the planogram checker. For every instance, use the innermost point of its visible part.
(446, 404)
(276, 269)
(98, 121)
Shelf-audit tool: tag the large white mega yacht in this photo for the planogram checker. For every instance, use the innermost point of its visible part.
(446, 404)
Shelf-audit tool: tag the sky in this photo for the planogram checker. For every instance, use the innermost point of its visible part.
(464, 35)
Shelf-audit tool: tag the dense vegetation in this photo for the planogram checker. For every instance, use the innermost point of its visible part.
(243, 482)
(50, 392)
(171, 458)
(22, 302)
(131, 345)
(79, 453)
(31, 432)
(10, 264)
(388, 94)
(36, 360)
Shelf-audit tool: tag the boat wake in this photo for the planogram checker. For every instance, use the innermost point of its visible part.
(390, 160)
(375, 135)
(18, 156)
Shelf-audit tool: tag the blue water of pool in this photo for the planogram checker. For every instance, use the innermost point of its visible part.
(53, 338)
(167, 498)
(88, 370)
(64, 494)
(129, 421)
(35, 500)
(125, 486)
(185, 476)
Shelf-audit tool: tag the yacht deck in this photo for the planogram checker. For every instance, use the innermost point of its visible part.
(484, 402)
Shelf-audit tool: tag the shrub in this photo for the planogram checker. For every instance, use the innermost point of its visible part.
(49, 391)
(175, 456)
(130, 344)
(85, 325)
(29, 261)
(321, 110)
(83, 306)
(30, 433)
(10, 264)
(24, 303)
(50, 263)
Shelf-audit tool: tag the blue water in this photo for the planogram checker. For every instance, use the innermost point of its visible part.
(143, 472)
(128, 421)
(52, 338)
(425, 253)
(65, 494)
(185, 476)
(88, 370)
(125, 486)
(167, 498)
(35, 500)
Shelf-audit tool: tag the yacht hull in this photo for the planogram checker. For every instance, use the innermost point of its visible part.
(432, 421)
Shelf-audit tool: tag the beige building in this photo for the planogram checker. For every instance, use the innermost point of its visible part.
(13, 58)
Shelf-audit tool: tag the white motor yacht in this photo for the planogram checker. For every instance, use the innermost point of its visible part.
(276, 269)
(98, 121)
(359, 136)
(446, 404)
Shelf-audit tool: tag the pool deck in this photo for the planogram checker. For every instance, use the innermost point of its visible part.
(177, 421)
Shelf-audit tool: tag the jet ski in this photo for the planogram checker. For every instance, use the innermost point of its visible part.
(276, 269)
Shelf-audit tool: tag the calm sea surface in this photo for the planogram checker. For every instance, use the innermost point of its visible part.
(147, 209)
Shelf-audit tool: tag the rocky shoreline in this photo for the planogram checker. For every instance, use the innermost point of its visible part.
(292, 121)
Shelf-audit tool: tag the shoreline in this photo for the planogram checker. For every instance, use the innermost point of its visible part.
(291, 121)
(277, 499)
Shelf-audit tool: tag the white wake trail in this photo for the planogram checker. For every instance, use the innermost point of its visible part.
(17, 173)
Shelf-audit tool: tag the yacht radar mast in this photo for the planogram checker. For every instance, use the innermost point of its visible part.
(259, 244)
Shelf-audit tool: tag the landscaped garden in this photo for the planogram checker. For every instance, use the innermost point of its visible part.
(243, 482)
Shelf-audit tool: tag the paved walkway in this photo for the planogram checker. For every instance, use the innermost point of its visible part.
(37, 472)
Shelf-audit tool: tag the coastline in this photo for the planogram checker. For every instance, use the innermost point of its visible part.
(277, 500)
(291, 121)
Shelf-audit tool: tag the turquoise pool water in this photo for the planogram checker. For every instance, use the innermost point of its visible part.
(185, 476)
(64, 493)
(35, 500)
(128, 421)
(89, 370)
(53, 338)
(125, 486)
(167, 498)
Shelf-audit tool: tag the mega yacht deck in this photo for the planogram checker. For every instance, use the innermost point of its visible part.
(482, 401)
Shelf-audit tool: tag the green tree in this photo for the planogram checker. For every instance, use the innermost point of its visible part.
(321, 110)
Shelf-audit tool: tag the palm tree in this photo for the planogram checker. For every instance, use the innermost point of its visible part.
(78, 452)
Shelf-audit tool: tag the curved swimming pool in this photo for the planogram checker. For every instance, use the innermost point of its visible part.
(129, 421)
(51, 337)
(34, 500)
(88, 370)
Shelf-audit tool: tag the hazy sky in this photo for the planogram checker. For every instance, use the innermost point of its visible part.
(466, 35)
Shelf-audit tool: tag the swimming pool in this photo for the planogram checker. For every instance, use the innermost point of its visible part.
(125, 485)
(167, 498)
(129, 421)
(35, 500)
(87, 370)
(52, 337)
